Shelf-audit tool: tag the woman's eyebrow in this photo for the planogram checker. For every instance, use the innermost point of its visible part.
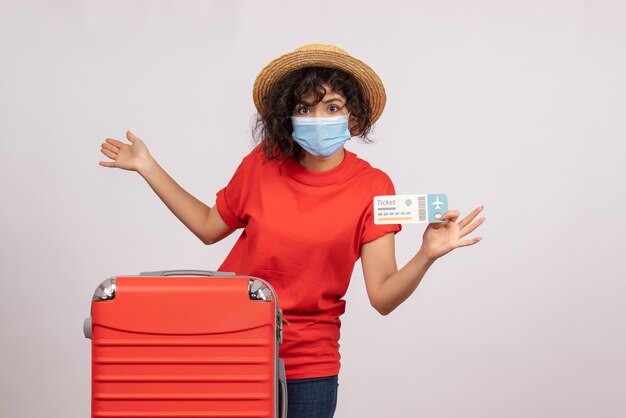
(333, 99)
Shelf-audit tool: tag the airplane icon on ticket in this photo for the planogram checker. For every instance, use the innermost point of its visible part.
(437, 203)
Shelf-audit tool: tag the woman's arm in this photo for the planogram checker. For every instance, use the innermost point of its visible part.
(205, 222)
(387, 287)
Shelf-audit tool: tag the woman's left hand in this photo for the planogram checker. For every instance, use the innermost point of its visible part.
(441, 238)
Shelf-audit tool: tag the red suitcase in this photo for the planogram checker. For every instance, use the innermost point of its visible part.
(186, 346)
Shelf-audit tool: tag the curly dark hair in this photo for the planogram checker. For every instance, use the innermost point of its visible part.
(274, 128)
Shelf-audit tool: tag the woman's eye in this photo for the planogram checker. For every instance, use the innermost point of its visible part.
(303, 110)
(333, 108)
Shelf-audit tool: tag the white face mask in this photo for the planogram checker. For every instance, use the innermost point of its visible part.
(322, 136)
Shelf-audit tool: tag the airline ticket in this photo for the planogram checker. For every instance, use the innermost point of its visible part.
(410, 208)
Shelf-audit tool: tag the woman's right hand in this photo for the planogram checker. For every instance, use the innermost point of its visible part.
(133, 156)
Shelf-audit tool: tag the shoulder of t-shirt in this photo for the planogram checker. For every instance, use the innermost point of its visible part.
(375, 175)
(256, 152)
(254, 156)
(255, 160)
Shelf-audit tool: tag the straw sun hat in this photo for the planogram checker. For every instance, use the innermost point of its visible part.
(321, 55)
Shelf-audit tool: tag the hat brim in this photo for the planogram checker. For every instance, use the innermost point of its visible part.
(366, 77)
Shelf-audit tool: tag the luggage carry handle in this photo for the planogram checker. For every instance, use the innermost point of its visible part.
(209, 273)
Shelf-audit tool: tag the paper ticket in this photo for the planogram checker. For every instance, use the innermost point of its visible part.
(409, 208)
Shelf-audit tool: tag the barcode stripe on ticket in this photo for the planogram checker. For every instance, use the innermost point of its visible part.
(421, 208)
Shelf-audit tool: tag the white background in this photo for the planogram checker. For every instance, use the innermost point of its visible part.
(517, 105)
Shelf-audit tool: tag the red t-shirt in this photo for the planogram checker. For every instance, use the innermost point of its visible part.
(303, 231)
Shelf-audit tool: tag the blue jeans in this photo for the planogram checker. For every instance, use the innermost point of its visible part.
(312, 398)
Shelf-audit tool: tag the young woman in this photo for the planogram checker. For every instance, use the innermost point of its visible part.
(305, 206)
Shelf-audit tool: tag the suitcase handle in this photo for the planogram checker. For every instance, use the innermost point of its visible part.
(209, 273)
(282, 381)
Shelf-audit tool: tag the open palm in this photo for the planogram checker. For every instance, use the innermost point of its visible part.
(441, 238)
(125, 156)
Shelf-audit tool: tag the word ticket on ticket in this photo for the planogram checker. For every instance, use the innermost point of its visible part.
(409, 208)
